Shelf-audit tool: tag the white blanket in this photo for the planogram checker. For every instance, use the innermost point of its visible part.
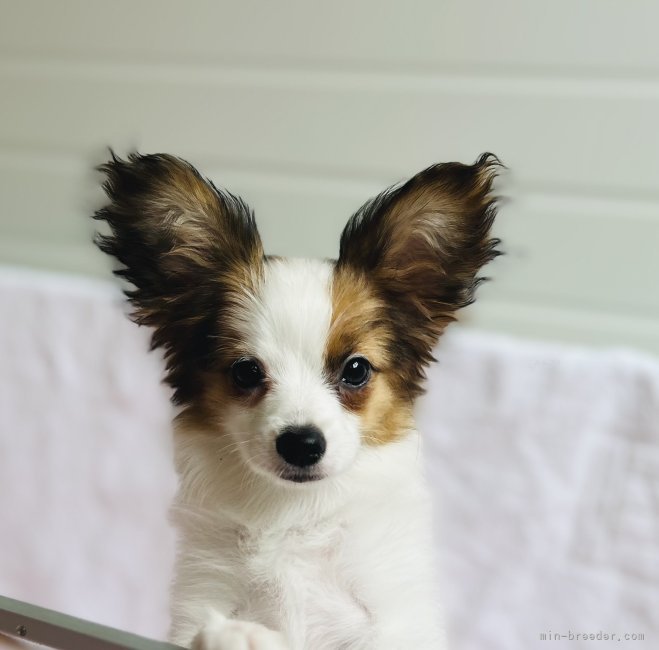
(544, 460)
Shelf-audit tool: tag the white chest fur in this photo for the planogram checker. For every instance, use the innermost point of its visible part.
(345, 566)
(302, 582)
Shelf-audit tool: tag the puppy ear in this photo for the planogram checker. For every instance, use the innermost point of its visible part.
(421, 246)
(190, 251)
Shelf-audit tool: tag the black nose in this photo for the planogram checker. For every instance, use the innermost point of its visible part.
(301, 446)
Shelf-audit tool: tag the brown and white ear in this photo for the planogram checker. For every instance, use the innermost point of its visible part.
(422, 244)
(187, 248)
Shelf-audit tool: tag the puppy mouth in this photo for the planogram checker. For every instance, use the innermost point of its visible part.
(300, 475)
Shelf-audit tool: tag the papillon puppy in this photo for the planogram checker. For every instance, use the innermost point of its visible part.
(303, 516)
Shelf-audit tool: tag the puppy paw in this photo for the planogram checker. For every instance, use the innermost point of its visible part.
(225, 634)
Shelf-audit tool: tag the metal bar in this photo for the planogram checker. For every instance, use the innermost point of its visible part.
(64, 632)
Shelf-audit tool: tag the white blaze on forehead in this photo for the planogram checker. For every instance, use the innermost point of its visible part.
(285, 327)
(289, 323)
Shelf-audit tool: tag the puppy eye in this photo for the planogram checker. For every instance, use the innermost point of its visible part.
(356, 372)
(246, 373)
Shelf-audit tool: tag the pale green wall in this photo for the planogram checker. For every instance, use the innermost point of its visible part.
(308, 114)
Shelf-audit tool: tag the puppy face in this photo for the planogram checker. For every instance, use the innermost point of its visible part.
(298, 364)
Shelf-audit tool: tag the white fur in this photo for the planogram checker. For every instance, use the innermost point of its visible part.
(343, 563)
(287, 329)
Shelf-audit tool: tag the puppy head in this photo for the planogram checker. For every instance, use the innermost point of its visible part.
(295, 365)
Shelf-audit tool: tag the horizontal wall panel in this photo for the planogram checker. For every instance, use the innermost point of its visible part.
(553, 139)
(561, 250)
(576, 257)
(563, 34)
(307, 109)
(578, 326)
(47, 205)
(80, 259)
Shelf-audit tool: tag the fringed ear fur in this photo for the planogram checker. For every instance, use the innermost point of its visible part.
(421, 245)
(187, 248)
(193, 253)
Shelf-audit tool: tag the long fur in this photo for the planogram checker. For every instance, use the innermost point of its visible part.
(336, 555)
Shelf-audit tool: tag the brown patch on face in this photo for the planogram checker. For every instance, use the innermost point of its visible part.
(360, 325)
(192, 253)
(218, 394)
(409, 260)
(385, 416)
(420, 247)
